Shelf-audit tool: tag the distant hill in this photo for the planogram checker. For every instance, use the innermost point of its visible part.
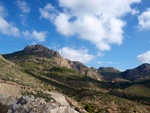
(108, 73)
(138, 73)
(107, 69)
(53, 57)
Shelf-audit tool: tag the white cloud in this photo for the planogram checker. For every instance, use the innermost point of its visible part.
(49, 12)
(97, 21)
(25, 9)
(39, 36)
(144, 58)
(23, 6)
(135, 11)
(100, 54)
(8, 29)
(76, 55)
(144, 20)
(103, 46)
(3, 12)
(5, 27)
(26, 33)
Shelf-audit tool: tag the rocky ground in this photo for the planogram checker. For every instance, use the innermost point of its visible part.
(11, 101)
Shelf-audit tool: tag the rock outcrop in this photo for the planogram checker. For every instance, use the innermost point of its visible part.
(41, 50)
(28, 104)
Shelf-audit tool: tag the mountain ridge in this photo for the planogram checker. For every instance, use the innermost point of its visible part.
(56, 59)
(53, 57)
(138, 73)
(103, 96)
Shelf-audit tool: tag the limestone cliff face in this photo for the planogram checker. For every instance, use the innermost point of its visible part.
(56, 59)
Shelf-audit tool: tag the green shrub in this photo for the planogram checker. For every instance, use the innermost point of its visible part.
(49, 89)
(134, 111)
(88, 108)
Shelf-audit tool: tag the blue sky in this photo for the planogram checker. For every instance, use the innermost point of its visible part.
(99, 33)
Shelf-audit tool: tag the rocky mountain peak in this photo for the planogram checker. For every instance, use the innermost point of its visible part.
(34, 48)
(41, 50)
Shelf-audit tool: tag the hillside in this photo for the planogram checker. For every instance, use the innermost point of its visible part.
(10, 71)
(108, 73)
(139, 73)
(48, 73)
(30, 53)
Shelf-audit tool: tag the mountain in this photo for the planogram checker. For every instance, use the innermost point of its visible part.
(41, 50)
(109, 73)
(138, 73)
(30, 53)
(41, 54)
(107, 69)
(36, 50)
(49, 73)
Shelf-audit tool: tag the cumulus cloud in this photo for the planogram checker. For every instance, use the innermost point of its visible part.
(97, 21)
(144, 58)
(23, 6)
(5, 27)
(76, 55)
(144, 20)
(39, 36)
